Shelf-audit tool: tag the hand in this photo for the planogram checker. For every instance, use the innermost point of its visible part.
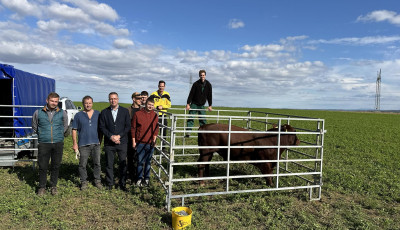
(187, 107)
(75, 147)
(134, 145)
(159, 107)
(210, 108)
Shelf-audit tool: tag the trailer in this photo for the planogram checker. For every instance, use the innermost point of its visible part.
(21, 94)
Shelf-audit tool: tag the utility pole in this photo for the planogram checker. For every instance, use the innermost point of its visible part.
(190, 82)
(378, 92)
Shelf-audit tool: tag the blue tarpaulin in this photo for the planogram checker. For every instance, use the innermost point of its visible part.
(29, 89)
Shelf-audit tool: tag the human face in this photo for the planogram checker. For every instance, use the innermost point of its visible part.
(137, 100)
(203, 76)
(149, 106)
(144, 98)
(88, 104)
(113, 99)
(52, 102)
(161, 87)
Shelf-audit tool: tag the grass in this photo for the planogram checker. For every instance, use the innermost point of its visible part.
(361, 190)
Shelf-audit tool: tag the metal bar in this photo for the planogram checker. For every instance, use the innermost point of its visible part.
(246, 162)
(27, 106)
(242, 191)
(15, 127)
(18, 138)
(33, 149)
(244, 176)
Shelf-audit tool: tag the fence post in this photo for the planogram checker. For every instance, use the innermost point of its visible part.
(228, 153)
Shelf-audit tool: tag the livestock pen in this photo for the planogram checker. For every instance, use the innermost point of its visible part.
(175, 160)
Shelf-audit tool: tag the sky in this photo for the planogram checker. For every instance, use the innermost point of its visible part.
(303, 54)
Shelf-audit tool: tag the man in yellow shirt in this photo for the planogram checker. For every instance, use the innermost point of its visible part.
(162, 102)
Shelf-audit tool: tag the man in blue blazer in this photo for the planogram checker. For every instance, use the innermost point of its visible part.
(115, 123)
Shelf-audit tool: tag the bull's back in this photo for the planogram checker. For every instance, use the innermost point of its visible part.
(218, 139)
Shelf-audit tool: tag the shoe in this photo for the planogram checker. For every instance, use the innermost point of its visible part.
(139, 183)
(54, 191)
(98, 185)
(147, 183)
(84, 185)
(41, 191)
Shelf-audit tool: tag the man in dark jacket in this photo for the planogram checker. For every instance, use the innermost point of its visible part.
(50, 123)
(200, 93)
(115, 124)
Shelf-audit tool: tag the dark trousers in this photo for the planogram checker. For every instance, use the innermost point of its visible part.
(47, 152)
(94, 152)
(145, 153)
(162, 128)
(110, 151)
(132, 162)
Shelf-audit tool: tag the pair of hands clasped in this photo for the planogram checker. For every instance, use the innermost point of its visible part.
(116, 139)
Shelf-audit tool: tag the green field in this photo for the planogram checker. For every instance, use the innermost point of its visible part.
(361, 174)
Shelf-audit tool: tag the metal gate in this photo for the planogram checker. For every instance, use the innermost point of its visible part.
(300, 167)
(10, 144)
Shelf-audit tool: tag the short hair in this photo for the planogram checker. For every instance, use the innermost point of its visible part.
(136, 94)
(53, 95)
(150, 99)
(86, 98)
(202, 71)
(161, 81)
(112, 94)
(144, 93)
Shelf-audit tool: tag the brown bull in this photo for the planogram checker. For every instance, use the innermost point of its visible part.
(244, 139)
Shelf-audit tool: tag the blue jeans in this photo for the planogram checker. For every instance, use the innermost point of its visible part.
(86, 151)
(47, 152)
(144, 152)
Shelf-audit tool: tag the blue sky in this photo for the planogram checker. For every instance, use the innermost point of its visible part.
(270, 54)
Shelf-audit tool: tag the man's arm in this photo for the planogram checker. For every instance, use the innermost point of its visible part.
(190, 97)
(133, 130)
(74, 140)
(65, 120)
(35, 121)
(127, 124)
(103, 126)
(209, 98)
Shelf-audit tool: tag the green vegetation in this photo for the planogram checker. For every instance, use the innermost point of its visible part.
(361, 174)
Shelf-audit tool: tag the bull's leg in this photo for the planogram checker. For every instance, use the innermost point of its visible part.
(266, 168)
(204, 157)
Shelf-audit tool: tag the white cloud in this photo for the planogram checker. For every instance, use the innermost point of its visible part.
(22, 7)
(380, 16)
(359, 41)
(236, 24)
(78, 16)
(122, 43)
(99, 11)
(65, 12)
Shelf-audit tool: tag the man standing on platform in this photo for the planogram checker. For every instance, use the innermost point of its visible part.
(162, 102)
(200, 92)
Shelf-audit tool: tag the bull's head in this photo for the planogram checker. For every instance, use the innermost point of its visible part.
(288, 128)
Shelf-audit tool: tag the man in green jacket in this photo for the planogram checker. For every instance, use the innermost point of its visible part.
(50, 123)
(200, 92)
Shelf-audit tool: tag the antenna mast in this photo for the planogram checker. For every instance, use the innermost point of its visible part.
(190, 81)
(378, 92)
